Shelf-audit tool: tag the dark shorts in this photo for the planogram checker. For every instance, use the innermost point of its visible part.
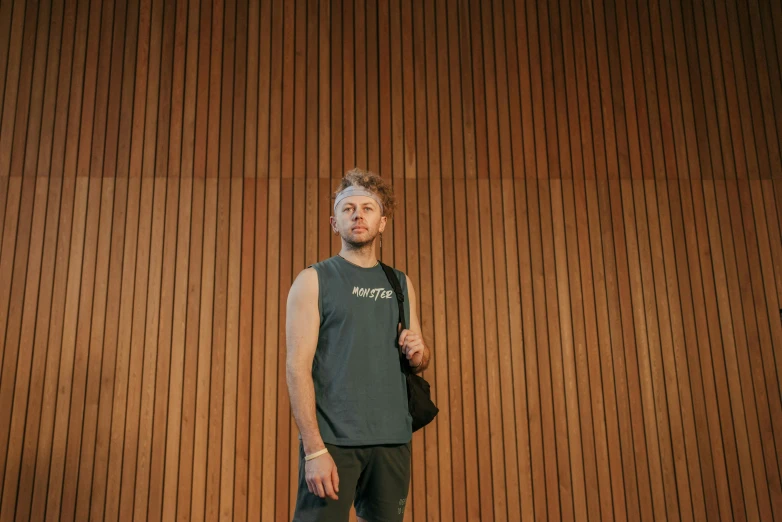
(377, 478)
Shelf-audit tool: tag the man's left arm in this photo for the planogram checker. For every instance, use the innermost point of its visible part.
(412, 340)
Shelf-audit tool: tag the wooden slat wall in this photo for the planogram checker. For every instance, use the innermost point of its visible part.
(591, 212)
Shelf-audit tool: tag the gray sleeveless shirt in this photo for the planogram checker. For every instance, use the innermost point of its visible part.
(360, 390)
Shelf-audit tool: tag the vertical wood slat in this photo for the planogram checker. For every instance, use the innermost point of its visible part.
(710, 448)
(602, 349)
(430, 481)
(244, 359)
(22, 449)
(104, 154)
(263, 96)
(16, 236)
(24, 281)
(544, 453)
(168, 395)
(85, 363)
(19, 46)
(605, 371)
(6, 16)
(258, 359)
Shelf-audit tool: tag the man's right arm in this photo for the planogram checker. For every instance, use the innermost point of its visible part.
(303, 324)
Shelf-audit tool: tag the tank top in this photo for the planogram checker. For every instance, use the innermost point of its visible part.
(360, 389)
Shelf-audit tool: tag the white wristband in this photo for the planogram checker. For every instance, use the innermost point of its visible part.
(316, 454)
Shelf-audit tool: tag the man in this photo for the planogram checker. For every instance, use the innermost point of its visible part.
(345, 380)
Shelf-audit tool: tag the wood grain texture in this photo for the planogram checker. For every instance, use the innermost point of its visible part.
(589, 208)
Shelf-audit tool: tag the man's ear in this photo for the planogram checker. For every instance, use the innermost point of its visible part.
(383, 222)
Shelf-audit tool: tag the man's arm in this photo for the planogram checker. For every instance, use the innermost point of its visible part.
(412, 340)
(301, 330)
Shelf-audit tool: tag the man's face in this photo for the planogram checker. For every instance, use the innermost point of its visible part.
(358, 220)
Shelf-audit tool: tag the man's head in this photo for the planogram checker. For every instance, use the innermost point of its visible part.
(362, 204)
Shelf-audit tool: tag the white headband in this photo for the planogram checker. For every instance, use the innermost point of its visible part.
(354, 190)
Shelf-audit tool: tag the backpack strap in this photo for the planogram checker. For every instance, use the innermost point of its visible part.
(400, 301)
(400, 296)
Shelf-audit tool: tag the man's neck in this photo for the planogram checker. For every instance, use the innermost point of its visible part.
(363, 257)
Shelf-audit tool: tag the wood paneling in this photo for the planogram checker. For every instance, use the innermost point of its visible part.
(590, 207)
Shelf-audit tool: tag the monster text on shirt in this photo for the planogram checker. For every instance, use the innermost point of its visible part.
(373, 293)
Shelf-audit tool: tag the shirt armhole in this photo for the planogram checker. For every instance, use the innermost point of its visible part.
(320, 294)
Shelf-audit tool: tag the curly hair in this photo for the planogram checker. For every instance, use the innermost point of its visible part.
(372, 182)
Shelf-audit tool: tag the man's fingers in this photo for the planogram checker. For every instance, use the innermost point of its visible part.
(319, 491)
(335, 478)
(329, 489)
(413, 350)
(410, 339)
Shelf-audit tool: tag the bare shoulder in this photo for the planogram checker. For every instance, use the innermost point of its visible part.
(305, 285)
(308, 276)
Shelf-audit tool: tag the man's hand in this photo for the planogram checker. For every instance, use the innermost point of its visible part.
(321, 476)
(411, 341)
(412, 347)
